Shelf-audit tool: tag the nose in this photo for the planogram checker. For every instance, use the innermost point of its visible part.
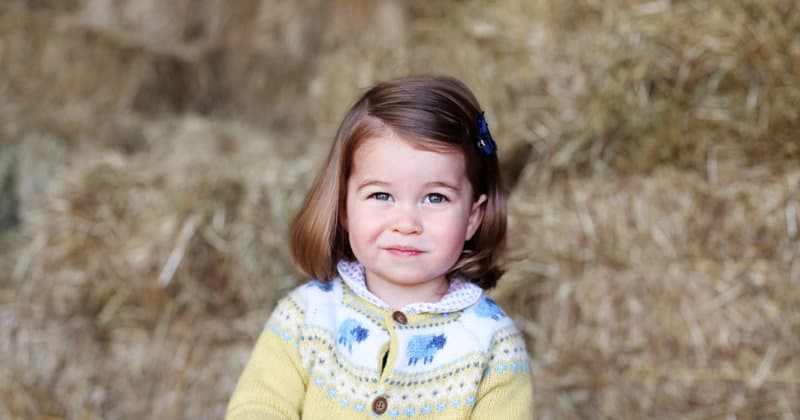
(406, 221)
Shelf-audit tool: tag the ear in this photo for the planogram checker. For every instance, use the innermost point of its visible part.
(475, 216)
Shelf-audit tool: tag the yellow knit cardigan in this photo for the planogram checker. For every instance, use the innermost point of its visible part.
(328, 353)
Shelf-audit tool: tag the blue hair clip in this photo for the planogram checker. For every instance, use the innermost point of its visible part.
(485, 142)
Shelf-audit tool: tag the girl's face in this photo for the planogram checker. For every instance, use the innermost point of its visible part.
(409, 212)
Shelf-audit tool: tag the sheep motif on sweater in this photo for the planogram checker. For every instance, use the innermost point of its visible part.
(351, 331)
(424, 347)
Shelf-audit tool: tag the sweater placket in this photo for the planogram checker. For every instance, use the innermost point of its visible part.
(387, 359)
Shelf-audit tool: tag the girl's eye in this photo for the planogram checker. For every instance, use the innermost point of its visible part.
(435, 198)
(380, 196)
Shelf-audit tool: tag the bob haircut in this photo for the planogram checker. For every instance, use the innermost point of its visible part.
(436, 113)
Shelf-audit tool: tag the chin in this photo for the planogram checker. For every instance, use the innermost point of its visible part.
(413, 279)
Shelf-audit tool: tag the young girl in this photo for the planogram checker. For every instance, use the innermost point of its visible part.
(401, 230)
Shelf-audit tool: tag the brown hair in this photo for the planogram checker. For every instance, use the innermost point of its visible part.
(434, 113)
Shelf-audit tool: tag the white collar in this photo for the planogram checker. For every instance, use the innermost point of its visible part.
(460, 294)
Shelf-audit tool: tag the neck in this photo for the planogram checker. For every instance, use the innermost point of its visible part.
(399, 295)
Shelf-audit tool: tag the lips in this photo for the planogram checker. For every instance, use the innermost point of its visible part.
(404, 251)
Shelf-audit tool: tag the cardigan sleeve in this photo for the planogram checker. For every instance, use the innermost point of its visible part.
(273, 383)
(506, 390)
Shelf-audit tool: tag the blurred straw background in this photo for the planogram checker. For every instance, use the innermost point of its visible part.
(152, 155)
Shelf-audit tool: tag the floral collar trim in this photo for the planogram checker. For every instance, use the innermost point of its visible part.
(460, 295)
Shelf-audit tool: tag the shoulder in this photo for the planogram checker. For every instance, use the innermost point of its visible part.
(494, 328)
(487, 317)
(505, 343)
(305, 300)
(315, 290)
(307, 303)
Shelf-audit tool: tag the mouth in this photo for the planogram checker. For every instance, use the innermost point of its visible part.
(404, 251)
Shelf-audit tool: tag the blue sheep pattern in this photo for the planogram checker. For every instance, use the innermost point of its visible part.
(325, 286)
(424, 347)
(487, 308)
(351, 331)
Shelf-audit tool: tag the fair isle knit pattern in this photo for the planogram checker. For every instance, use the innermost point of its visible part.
(461, 357)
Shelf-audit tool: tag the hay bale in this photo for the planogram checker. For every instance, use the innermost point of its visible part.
(38, 145)
(170, 22)
(660, 294)
(46, 59)
(389, 40)
(663, 83)
(159, 268)
(656, 237)
(151, 214)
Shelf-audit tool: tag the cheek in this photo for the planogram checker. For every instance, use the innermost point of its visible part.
(361, 228)
(452, 234)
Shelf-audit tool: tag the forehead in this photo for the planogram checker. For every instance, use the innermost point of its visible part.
(390, 157)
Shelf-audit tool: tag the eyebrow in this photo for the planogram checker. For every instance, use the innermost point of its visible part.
(375, 182)
(371, 182)
(443, 184)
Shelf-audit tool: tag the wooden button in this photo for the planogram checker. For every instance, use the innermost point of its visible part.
(380, 405)
(400, 317)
